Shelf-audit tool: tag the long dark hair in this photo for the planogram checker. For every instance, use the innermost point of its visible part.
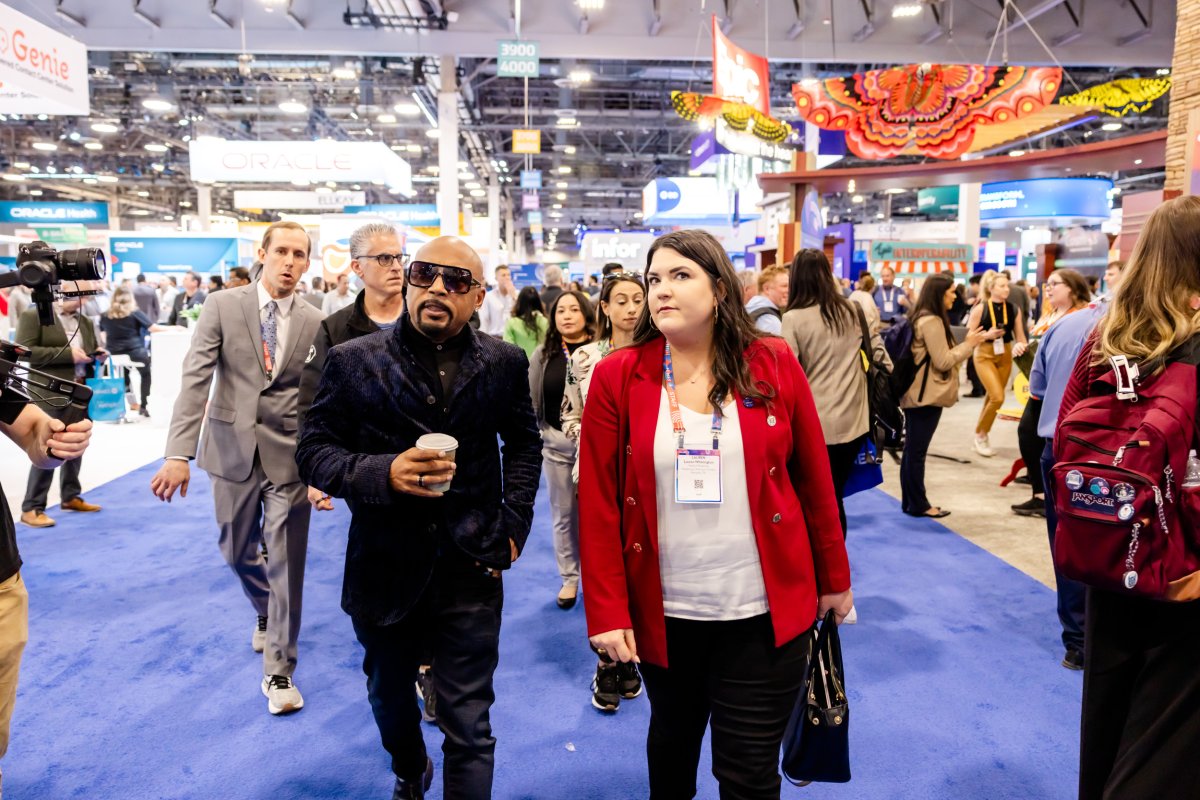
(811, 283)
(610, 284)
(932, 302)
(527, 308)
(554, 339)
(733, 330)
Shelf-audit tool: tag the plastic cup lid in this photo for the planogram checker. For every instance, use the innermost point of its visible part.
(442, 442)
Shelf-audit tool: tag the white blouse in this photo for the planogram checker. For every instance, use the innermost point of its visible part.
(707, 553)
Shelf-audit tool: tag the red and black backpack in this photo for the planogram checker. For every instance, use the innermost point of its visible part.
(1125, 522)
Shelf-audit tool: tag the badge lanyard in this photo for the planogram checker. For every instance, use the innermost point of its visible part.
(697, 472)
(998, 344)
(889, 303)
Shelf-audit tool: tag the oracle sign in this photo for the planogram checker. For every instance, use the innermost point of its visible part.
(41, 71)
(739, 74)
(285, 162)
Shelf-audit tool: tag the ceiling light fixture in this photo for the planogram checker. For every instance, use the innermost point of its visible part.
(143, 193)
(433, 133)
(93, 146)
(407, 109)
(1111, 126)
(107, 178)
(569, 149)
(47, 147)
(579, 76)
(155, 147)
(413, 148)
(591, 5)
(901, 10)
(386, 119)
(12, 176)
(858, 198)
(564, 170)
(1016, 153)
(293, 106)
(157, 104)
(36, 192)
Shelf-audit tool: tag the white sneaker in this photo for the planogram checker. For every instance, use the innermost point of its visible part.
(282, 695)
(258, 640)
(852, 617)
(982, 447)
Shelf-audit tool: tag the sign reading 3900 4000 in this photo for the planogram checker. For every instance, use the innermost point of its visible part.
(517, 60)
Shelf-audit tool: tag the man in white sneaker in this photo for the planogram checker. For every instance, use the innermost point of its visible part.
(255, 338)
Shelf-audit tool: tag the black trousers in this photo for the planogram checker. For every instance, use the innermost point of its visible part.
(40, 480)
(1031, 444)
(141, 356)
(732, 675)
(920, 423)
(1141, 699)
(841, 462)
(1072, 595)
(458, 620)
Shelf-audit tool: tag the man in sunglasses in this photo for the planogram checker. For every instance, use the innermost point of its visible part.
(424, 568)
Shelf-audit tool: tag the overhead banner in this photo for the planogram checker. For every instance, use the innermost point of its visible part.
(54, 212)
(285, 162)
(739, 74)
(172, 253)
(417, 215)
(297, 200)
(527, 140)
(695, 201)
(598, 248)
(517, 60)
(1040, 198)
(919, 251)
(41, 71)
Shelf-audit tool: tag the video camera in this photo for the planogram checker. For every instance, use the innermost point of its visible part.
(49, 273)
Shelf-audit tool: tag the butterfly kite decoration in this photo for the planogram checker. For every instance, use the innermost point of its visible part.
(1122, 96)
(740, 116)
(925, 109)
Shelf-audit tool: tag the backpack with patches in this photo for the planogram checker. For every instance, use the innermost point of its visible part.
(898, 341)
(1125, 522)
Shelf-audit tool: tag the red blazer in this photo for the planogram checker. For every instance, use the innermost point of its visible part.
(792, 503)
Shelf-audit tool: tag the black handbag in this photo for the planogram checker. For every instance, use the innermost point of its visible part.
(816, 744)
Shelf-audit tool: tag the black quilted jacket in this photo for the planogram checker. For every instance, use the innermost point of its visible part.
(374, 401)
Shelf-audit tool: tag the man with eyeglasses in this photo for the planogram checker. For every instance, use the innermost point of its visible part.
(424, 567)
(249, 349)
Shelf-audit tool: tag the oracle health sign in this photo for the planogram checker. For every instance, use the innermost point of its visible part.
(285, 162)
(41, 71)
(739, 74)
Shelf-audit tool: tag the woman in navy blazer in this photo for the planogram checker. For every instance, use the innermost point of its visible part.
(712, 598)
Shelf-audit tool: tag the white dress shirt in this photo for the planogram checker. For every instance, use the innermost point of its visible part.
(496, 310)
(707, 552)
(283, 314)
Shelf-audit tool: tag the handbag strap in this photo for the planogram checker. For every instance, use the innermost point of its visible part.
(867, 350)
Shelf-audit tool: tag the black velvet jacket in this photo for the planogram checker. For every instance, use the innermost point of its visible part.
(374, 401)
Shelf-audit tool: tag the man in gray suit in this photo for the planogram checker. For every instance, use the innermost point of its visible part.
(146, 298)
(255, 338)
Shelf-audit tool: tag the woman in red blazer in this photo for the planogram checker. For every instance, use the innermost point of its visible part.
(709, 530)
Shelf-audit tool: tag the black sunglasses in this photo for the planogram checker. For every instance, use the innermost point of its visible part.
(385, 260)
(457, 280)
(624, 276)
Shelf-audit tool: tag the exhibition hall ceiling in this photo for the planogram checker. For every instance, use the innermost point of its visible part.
(272, 69)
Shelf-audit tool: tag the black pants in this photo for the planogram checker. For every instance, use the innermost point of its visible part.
(1031, 444)
(841, 462)
(1072, 595)
(40, 480)
(140, 356)
(729, 673)
(1141, 699)
(920, 423)
(458, 620)
(977, 388)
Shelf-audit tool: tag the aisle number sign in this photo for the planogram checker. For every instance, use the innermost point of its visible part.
(527, 140)
(517, 60)
(531, 179)
(530, 201)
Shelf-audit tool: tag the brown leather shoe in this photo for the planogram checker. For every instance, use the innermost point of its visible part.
(37, 519)
(79, 504)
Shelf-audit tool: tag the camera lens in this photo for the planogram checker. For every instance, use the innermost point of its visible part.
(84, 264)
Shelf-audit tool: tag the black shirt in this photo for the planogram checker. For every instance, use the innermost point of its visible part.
(126, 334)
(441, 359)
(554, 384)
(11, 405)
(1005, 316)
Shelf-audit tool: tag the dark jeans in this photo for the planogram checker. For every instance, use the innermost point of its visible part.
(729, 673)
(1141, 699)
(141, 356)
(920, 423)
(841, 463)
(1031, 444)
(458, 620)
(1071, 594)
(40, 480)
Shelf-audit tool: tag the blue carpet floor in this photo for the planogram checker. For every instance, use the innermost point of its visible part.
(139, 681)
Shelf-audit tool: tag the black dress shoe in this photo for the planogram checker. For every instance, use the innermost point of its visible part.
(567, 601)
(1033, 507)
(1073, 659)
(414, 790)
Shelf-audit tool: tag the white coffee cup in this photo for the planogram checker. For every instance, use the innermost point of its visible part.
(439, 443)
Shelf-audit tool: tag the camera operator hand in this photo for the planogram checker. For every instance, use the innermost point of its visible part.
(45, 439)
(173, 474)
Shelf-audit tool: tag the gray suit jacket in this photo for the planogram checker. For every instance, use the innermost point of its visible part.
(247, 412)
